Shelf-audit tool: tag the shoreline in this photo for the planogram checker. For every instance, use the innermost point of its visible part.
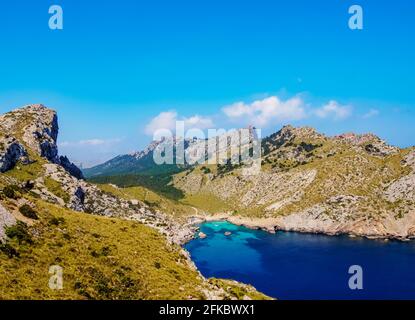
(272, 225)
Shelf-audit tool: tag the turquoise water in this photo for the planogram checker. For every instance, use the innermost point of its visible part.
(289, 265)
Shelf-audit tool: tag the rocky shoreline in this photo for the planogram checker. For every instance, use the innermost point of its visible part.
(272, 225)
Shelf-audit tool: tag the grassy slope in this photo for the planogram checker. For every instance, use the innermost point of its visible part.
(102, 258)
(177, 207)
(346, 172)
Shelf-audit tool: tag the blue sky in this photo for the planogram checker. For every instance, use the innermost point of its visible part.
(119, 68)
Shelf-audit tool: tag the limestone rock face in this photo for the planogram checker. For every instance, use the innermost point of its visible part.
(6, 220)
(403, 189)
(42, 133)
(36, 126)
(11, 151)
(33, 127)
(70, 167)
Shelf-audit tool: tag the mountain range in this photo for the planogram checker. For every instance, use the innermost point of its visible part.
(352, 184)
(194, 149)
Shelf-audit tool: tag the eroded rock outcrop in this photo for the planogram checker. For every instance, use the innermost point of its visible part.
(36, 126)
(32, 127)
(6, 220)
(70, 167)
(368, 142)
(11, 151)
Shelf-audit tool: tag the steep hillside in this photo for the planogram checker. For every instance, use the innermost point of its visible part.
(38, 168)
(102, 258)
(353, 184)
(110, 244)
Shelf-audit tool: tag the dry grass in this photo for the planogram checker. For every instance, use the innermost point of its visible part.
(102, 258)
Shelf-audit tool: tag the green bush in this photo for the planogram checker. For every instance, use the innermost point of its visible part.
(28, 212)
(118, 286)
(205, 170)
(19, 232)
(11, 191)
(8, 250)
(56, 221)
(103, 252)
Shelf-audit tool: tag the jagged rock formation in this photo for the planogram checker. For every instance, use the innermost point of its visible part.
(369, 142)
(35, 128)
(71, 168)
(11, 151)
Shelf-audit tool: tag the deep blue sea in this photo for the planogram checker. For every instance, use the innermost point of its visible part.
(289, 265)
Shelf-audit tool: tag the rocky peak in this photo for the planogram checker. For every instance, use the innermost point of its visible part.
(148, 150)
(220, 145)
(36, 126)
(369, 142)
(357, 139)
(299, 132)
(32, 127)
(289, 133)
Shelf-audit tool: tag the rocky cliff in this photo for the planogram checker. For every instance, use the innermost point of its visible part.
(33, 128)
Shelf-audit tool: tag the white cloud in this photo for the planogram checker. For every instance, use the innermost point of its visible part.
(198, 122)
(371, 113)
(89, 142)
(262, 112)
(334, 110)
(167, 120)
